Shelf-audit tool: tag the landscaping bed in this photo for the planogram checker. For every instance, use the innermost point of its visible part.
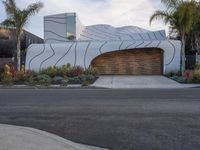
(189, 76)
(63, 76)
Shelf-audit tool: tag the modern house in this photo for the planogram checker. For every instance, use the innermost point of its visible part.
(123, 50)
(8, 43)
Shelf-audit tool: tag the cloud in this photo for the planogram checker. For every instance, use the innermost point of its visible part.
(113, 12)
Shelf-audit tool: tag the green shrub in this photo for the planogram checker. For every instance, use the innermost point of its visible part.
(196, 76)
(181, 80)
(174, 78)
(90, 77)
(86, 83)
(197, 66)
(71, 37)
(76, 71)
(74, 80)
(50, 71)
(32, 73)
(57, 80)
(64, 70)
(20, 76)
(83, 77)
(43, 79)
(64, 82)
(1, 73)
(90, 71)
(30, 81)
(172, 74)
(7, 80)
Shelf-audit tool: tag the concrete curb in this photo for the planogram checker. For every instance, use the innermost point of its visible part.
(46, 87)
(102, 86)
(24, 138)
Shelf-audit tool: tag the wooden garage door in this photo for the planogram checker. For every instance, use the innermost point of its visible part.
(130, 62)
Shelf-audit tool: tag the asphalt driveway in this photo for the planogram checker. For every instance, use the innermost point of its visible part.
(167, 119)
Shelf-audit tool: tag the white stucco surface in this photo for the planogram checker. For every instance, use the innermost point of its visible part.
(92, 41)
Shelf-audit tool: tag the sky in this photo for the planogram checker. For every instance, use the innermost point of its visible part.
(113, 12)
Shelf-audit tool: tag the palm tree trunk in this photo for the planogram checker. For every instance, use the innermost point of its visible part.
(18, 53)
(183, 54)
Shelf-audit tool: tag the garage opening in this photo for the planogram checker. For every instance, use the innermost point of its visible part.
(145, 61)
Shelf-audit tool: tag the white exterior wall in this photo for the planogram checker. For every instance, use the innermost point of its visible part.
(79, 27)
(55, 29)
(40, 56)
(93, 41)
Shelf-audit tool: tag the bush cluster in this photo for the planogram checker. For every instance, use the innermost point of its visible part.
(189, 76)
(63, 75)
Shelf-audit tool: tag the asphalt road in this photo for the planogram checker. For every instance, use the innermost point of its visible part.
(115, 119)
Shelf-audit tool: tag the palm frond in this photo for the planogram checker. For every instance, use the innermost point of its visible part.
(160, 15)
(171, 4)
(33, 9)
(185, 15)
(10, 7)
(8, 23)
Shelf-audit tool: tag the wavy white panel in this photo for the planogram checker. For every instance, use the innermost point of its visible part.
(137, 37)
(54, 29)
(135, 44)
(92, 52)
(54, 36)
(33, 51)
(79, 27)
(103, 35)
(126, 37)
(111, 46)
(38, 59)
(145, 44)
(145, 36)
(153, 36)
(60, 50)
(94, 35)
(80, 52)
(172, 60)
(48, 53)
(159, 35)
(127, 44)
(68, 57)
(169, 51)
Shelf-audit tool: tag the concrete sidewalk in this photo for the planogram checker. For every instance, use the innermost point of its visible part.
(138, 82)
(23, 138)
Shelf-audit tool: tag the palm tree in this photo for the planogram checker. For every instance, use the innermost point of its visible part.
(194, 36)
(18, 18)
(180, 15)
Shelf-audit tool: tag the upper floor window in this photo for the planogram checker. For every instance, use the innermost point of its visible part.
(71, 26)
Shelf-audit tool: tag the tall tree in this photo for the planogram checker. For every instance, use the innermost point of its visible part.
(180, 15)
(193, 38)
(18, 18)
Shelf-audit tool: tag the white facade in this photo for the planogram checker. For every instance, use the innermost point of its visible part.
(92, 41)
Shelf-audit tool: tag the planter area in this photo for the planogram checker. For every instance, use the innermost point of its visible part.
(189, 76)
(64, 76)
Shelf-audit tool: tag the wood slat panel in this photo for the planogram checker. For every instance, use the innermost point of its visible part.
(130, 62)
